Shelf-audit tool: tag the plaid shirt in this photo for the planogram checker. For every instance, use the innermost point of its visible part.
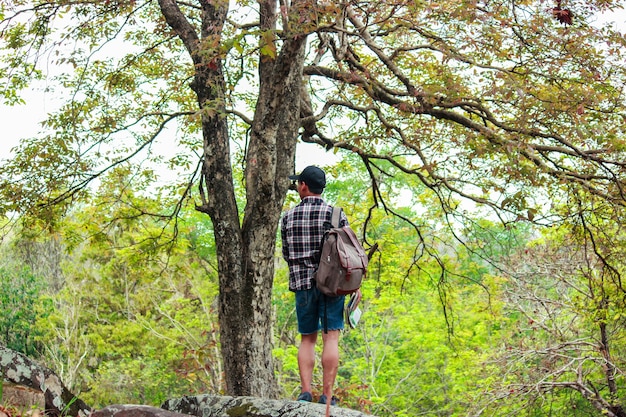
(302, 229)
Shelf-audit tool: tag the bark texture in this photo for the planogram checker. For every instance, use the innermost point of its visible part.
(21, 370)
(224, 406)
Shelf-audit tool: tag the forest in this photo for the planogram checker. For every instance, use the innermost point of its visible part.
(499, 320)
(477, 147)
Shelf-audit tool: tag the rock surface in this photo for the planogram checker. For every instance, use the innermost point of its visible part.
(20, 370)
(127, 410)
(24, 397)
(224, 406)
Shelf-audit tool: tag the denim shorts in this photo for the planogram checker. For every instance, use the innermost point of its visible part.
(312, 308)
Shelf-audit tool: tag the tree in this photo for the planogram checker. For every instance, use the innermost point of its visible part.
(564, 350)
(135, 320)
(504, 103)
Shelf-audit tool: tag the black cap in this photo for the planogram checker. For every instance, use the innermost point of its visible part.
(313, 176)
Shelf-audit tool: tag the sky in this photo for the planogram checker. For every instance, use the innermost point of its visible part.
(23, 120)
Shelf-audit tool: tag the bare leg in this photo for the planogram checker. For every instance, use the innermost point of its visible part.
(330, 361)
(306, 360)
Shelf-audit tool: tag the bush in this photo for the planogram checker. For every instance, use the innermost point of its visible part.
(21, 303)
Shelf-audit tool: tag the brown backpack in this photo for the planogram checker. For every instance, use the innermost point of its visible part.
(343, 261)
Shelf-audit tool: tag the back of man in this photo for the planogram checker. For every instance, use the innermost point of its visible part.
(302, 230)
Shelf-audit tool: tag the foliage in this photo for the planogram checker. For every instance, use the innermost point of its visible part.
(23, 301)
(134, 321)
(563, 350)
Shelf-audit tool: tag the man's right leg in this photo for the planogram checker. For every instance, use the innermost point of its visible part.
(330, 354)
(330, 361)
(308, 327)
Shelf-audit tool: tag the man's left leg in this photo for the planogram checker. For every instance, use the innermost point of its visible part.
(333, 321)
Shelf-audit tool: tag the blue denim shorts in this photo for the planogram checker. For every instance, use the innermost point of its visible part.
(312, 308)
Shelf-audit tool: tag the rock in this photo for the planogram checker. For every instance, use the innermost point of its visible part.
(129, 410)
(224, 406)
(19, 369)
(22, 397)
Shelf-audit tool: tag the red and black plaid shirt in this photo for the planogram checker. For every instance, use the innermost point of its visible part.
(302, 229)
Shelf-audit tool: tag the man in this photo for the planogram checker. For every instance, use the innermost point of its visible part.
(302, 230)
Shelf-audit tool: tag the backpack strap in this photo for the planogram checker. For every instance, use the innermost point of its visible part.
(336, 216)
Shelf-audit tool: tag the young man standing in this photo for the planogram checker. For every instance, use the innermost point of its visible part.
(302, 230)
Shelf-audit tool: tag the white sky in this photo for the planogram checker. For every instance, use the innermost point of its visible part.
(23, 121)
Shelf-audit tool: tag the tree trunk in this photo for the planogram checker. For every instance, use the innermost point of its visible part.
(609, 366)
(245, 252)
